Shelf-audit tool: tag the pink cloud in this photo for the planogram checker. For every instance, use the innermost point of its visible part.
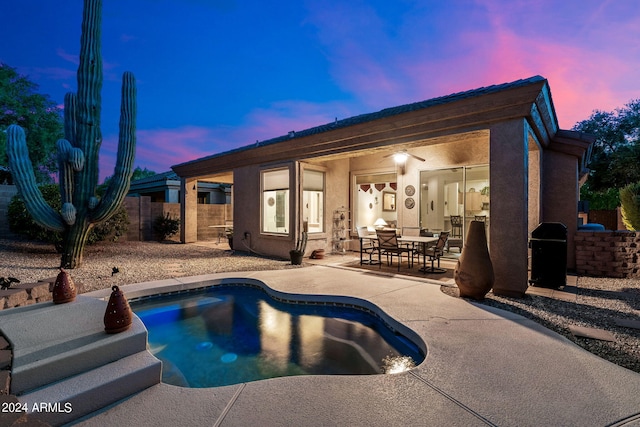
(588, 52)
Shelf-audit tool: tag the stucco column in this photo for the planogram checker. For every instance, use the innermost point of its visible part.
(508, 170)
(560, 196)
(188, 210)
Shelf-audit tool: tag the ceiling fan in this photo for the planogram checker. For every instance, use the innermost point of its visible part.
(402, 156)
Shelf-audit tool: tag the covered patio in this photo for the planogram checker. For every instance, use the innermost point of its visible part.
(417, 165)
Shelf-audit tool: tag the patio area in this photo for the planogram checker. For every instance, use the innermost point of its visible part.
(484, 366)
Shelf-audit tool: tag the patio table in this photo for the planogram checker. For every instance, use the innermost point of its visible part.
(423, 240)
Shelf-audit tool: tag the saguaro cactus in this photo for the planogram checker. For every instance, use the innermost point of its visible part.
(78, 152)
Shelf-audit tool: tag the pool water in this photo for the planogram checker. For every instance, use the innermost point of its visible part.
(234, 334)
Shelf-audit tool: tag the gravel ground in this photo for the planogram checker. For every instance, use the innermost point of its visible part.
(600, 302)
(136, 262)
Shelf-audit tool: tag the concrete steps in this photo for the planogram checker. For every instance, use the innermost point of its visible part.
(63, 359)
(77, 396)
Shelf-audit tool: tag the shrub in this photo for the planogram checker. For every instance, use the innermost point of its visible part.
(111, 229)
(21, 222)
(165, 226)
(630, 202)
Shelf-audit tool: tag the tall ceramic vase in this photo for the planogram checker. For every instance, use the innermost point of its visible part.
(474, 272)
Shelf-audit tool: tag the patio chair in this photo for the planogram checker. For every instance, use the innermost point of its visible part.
(388, 243)
(369, 247)
(434, 253)
(413, 231)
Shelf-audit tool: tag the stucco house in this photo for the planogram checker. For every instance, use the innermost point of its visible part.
(495, 152)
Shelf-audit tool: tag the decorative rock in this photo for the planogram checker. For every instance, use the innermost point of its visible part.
(5, 382)
(118, 316)
(5, 358)
(35, 290)
(14, 297)
(474, 271)
(51, 281)
(64, 290)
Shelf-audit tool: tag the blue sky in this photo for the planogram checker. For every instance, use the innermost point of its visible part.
(218, 74)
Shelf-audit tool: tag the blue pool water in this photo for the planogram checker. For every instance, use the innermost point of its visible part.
(229, 334)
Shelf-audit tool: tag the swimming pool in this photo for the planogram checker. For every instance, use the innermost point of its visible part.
(229, 334)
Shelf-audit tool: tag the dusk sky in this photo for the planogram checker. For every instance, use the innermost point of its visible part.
(219, 74)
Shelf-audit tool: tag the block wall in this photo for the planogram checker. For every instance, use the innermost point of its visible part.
(608, 253)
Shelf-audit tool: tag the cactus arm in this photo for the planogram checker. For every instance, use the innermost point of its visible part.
(25, 180)
(88, 102)
(70, 159)
(119, 185)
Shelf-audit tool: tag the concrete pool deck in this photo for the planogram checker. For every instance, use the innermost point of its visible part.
(484, 366)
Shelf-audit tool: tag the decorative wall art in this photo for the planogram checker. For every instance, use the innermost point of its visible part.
(409, 203)
(388, 201)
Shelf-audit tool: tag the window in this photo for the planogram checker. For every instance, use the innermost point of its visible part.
(313, 201)
(275, 201)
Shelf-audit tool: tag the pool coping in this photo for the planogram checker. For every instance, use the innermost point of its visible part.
(484, 366)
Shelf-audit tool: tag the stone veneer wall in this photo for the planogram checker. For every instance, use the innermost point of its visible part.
(608, 253)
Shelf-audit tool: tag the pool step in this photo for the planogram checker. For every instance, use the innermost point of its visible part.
(75, 397)
(64, 340)
(61, 354)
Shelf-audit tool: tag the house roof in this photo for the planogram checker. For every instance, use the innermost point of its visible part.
(460, 112)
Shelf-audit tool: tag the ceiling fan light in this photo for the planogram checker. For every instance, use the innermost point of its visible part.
(400, 158)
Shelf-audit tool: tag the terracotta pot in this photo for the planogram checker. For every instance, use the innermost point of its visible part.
(317, 254)
(64, 290)
(118, 316)
(474, 271)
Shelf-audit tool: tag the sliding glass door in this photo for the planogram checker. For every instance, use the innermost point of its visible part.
(451, 198)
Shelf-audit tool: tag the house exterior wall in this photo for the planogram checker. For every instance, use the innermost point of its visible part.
(247, 207)
(508, 171)
(560, 195)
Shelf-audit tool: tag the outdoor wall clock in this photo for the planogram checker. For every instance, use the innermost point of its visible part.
(409, 202)
(409, 190)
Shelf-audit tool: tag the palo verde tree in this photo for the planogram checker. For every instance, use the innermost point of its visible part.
(78, 151)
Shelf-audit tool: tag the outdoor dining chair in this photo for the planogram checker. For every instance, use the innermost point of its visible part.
(413, 231)
(368, 245)
(434, 253)
(388, 243)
